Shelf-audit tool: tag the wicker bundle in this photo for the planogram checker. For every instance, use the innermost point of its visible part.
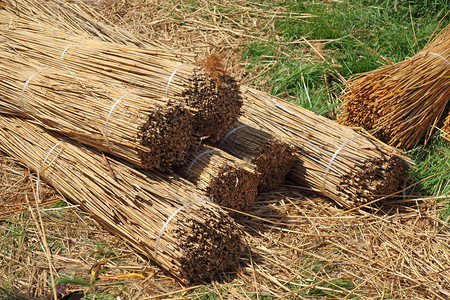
(225, 179)
(402, 103)
(164, 217)
(272, 157)
(149, 132)
(213, 96)
(331, 159)
(446, 128)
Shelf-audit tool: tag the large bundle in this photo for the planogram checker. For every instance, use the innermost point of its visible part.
(225, 179)
(153, 133)
(446, 128)
(163, 217)
(402, 103)
(213, 96)
(272, 156)
(331, 159)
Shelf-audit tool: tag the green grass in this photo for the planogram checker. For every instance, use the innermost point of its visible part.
(354, 37)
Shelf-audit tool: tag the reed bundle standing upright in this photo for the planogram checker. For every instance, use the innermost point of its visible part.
(332, 159)
(164, 217)
(212, 95)
(402, 103)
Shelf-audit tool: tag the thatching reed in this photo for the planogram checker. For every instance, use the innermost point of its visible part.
(331, 159)
(402, 103)
(163, 217)
(148, 132)
(446, 128)
(225, 179)
(205, 87)
(272, 156)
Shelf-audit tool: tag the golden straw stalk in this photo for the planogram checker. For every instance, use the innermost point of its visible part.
(225, 179)
(446, 128)
(205, 87)
(163, 217)
(272, 156)
(332, 159)
(153, 133)
(402, 103)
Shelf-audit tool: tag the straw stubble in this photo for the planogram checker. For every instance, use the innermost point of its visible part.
(199, 241)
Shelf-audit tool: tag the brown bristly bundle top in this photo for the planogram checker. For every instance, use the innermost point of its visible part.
(402, 103)
(164, 217)
(153, 133)
(225, 179)
(446, 128)
(331, 159)
(272, 156)
(213, 96)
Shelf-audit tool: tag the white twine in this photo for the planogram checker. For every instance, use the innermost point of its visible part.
(172, 75)
(163, 228)
(26, 84)
(438, 55)
(64, 52)
(109, 116)
(38, 181)
(332, 159)
(231, 132)
(188, 171)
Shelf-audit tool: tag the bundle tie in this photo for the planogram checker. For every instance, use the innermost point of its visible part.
(163, 228)
(438, 55)
(64, 52)
(26, 84)
(332, 159)
(231, 132)
(171, 77)
(188, 171)
(38, 181)
(109, 116)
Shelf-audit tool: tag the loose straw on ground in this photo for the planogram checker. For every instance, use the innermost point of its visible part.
(402, 103)
(163, 217)
(153, 133)
(331, 159)
(226, 180)
(272, 157)
(205, 87)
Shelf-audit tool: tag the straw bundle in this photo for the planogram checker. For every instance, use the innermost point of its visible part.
(205, 87)
(163, 217)
(149, 132)
(272, 157)
(446, 128)
(402, 103)
(225, 179)
(331, 158)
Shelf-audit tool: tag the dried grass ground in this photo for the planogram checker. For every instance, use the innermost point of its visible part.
(300, 245)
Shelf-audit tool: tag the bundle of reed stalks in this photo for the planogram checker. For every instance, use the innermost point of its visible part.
(163, 217)
(204, 86)
(446, 128)
(272, 156)
(402, 103)
(225, 179)
(331, 159)
(153, 133)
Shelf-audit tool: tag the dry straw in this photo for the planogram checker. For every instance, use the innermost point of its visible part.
(149, 132)
(446, 128)
(331, 159)
(272, 157)
(205, 87)
(225, 179)
(402, 103)
(164, 217)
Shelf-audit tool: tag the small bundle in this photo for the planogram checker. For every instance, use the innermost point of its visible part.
(331, 159)
(446, 128)
(225, 179)
(164, 218)
(272, 156)
(212, 95)
(402, 103)
(153, 133)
